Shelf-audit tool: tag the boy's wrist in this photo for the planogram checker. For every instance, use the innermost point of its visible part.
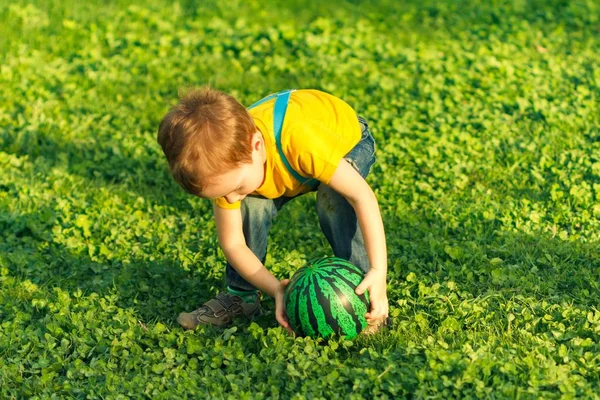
(378, 270)
(245, 262)
(380, 275)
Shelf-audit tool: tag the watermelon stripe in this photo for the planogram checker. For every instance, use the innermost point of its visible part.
(326, 306)
(318, 312)
(348, 268)
(299, 286)
(349, 310)
(302, 309)
(338, 310)
(300, 330)
(292, 311)
(299, 283)
(339, 261)
(344, 291)
(354, 308)
(321, 262)
(351, 273)
(350, 283)
(363, 297)
(310, 324)
(292, 285)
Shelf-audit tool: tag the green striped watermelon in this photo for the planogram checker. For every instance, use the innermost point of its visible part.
(320, 299)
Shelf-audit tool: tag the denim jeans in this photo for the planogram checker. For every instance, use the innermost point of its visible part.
(336, 216)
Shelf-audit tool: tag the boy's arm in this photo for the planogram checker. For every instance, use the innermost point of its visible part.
(350, 184)
(232, 242)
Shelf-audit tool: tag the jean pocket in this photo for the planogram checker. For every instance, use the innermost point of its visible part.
(362, 156)
(364, 127)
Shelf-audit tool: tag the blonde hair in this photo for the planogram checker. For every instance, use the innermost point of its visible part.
(204, 135)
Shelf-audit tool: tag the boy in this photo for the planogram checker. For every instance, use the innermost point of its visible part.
(250, 162)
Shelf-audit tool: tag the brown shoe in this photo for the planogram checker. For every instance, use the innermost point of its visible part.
(220, 312)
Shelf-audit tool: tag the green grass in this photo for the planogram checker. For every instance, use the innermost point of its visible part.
(487, 125)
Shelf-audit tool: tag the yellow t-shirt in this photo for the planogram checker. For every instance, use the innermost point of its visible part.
(318, 130)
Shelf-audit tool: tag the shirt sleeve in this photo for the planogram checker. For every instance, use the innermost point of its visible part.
(317, 151)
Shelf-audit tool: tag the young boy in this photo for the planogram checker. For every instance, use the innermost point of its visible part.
(251, 162)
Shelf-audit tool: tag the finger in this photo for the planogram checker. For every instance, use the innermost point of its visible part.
(282, 321)
(285, 282)
(285, 325)
(370, 317)
(281, 317)
(360, 289)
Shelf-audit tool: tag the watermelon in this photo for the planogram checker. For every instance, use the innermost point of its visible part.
(320, 299)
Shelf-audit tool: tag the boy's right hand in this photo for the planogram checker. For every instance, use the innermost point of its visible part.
(280, 312)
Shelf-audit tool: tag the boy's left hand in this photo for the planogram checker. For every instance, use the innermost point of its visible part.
(280, 312)
(375, 282)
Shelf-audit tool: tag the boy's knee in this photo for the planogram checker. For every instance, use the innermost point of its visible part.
(332, 205)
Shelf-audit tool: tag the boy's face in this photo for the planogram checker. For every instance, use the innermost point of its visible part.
(237, 183)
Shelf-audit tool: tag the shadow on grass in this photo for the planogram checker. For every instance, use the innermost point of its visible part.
(157, 289)
(542, 267)
(101, 160)
(485, 259)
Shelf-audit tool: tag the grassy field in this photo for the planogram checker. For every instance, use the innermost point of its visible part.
(487, 120)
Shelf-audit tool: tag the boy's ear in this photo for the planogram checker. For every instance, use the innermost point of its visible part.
(258, 146)
(257, 140)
